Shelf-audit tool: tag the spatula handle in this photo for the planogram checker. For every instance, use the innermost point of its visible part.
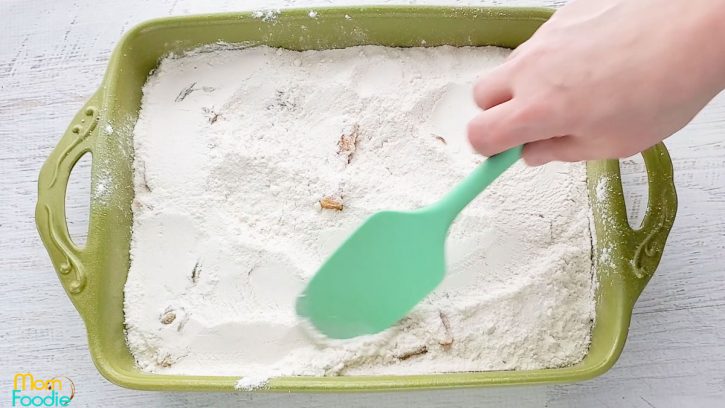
(468, 189)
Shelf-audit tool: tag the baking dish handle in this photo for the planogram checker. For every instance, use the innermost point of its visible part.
(67, 257)
(643, 246)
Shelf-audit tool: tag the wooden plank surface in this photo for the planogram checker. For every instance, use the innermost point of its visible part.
(52, 57)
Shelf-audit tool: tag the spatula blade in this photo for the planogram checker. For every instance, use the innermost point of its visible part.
(377, 276)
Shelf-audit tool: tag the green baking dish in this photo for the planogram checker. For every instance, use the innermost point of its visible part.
(94, 275)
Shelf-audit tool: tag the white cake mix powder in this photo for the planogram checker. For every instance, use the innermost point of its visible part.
(252, 165)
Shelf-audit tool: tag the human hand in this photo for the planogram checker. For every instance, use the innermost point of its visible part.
(603, 79)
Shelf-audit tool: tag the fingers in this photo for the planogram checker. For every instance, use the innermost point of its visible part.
(509, 124)
(493, 88)
(564, 148)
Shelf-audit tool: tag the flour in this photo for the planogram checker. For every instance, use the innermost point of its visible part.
(266, 15)
(236, 153)
(602, 188)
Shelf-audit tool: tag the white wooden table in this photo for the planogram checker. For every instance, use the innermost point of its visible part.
(53, 54)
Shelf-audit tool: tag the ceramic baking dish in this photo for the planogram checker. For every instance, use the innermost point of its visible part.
(93, 276)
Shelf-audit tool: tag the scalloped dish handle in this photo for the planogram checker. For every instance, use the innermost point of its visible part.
(67, 257)
(640, 249)
(648, 241)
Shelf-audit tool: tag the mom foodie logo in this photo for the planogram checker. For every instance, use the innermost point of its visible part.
(29, 391)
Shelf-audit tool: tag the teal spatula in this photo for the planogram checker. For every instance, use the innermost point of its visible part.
(391, 262)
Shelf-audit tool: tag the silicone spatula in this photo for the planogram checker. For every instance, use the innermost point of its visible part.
(391, 262)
